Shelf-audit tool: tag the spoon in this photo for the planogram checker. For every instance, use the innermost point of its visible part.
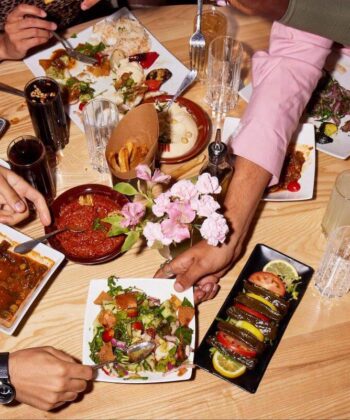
(27, 246)
(136, 352)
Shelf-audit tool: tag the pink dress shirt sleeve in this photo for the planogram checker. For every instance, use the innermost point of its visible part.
(283, 81)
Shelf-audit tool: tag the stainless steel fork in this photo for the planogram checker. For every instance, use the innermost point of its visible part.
(197, 42)
(72, 52)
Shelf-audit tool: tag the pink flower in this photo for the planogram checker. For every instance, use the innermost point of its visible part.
(174, 232)
(214, 229)
(153, 233)
(144, 172)
(207, 184)
(133, 213)
(207, 205)
(161, 204)
(181, 212)
(184, 189)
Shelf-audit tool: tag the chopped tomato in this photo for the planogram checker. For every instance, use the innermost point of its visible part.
(107, 335)
(231, 343)
(153, 85)
(293, 186)
(151, 332)
(126, 300)
(137, 325)
(99, 57)
(82, 105)
(268, 281)
(145, 59)
(251, 311)
(132, 312)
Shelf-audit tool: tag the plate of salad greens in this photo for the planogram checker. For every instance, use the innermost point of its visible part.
(123, 312)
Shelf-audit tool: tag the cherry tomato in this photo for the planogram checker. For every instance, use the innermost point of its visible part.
(145, 59)
(137, 325)
(293, 186)
(153, 85)
(231, 343)
(82, 105)
(107, 335)
(99, 57)
(268, 281)
(251, 312)
(151, 332)
(132, 312)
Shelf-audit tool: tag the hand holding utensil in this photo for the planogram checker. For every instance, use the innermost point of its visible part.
(27, 246)
(72, 52)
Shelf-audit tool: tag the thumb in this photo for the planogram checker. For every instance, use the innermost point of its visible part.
(87, 4)
(11, 197)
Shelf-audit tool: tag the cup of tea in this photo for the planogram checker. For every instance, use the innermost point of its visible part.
(46, 111)
(28, 158)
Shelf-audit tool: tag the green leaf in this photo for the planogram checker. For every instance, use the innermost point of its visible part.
(131, 238)
(125, 188)
(186, 302)
(184, 334)
(114, 220)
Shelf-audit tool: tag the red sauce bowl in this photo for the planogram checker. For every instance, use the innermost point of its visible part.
(67, 198)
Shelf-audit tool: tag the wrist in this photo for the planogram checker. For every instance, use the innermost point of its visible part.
(7, 390)
(3, 49)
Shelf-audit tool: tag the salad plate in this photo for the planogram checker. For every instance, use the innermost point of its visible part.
(162, 289)
(339, 68)
(260, 256)
(304, 141)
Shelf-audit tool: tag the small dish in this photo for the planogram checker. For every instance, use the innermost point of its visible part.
(260, 256)
(73, 194)
(42, 253)
(158, 288)
(305, 137)
(203, 124)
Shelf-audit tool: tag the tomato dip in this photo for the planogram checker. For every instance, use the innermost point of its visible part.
(86, 213)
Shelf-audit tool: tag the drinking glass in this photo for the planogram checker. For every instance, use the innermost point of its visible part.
(28, 158)
(100, 116)
(332, 278)
(213, 24)
(338, 209)
(46, 111)
(224, 70)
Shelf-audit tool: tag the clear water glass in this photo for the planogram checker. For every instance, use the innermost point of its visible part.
(332, 278)
(100, 116)
(224, 71)
(338, 208)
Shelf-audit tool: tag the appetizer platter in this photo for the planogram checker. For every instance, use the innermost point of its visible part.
(81, 211)
(22, 277)
(124, 313)
(250, 324)
(132, 65)
(298, 174)
(329, 108)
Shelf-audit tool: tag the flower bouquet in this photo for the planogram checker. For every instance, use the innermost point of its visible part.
(172, 216)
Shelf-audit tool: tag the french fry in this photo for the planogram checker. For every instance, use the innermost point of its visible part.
(130, 146)
(123, 159)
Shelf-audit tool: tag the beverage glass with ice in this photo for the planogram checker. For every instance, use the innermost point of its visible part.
(332, 278)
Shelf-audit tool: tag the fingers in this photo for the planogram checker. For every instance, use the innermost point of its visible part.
(79, 371)
(11, 197)
(30, 22)
(8, 217)
(25, 9)
(208, 293)
(87, 4)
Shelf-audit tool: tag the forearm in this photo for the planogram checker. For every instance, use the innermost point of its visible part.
(328, 18)
(271, 9)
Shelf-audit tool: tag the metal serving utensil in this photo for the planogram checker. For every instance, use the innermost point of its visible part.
(12, 90)
(197, 42)
(136, 352)
(72, 52)
(27, 246)
(187, 81)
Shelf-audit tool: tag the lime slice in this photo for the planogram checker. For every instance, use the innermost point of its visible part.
(245, 325)
(283, 269)
(227, 367)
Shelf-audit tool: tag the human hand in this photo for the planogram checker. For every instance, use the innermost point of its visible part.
(271, 9)
(201, 266)
(14, 191)
(46, 378)
(87, 4)
(24, 29)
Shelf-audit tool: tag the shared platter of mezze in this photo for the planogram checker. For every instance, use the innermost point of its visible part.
(245, 333)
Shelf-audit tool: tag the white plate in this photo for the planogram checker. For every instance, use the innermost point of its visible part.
(43, 250)
(159, 288)
(305, 136)
(165, 60)
(340, 148)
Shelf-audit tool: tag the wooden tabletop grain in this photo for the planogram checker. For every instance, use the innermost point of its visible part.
(309, 375)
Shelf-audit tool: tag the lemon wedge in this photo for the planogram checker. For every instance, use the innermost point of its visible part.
(283, 269)
(227, 367)
(245, 325)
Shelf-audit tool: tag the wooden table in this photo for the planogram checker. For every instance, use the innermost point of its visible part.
(308, 376)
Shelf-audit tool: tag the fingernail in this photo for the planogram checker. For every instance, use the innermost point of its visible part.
(83, 6)
(19, 206)
(53, 26)
(43, 13)
(200, 294)
(179, 287)
(208, 287)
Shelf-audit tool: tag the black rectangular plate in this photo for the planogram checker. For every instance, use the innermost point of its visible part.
(260, 256)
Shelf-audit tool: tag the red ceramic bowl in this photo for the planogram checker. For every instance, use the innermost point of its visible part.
(203, 123)
(67, 197)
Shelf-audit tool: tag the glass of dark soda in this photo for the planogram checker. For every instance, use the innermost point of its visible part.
(46, 110)
(28, 158)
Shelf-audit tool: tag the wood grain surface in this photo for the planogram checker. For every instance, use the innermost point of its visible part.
(308, 376)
